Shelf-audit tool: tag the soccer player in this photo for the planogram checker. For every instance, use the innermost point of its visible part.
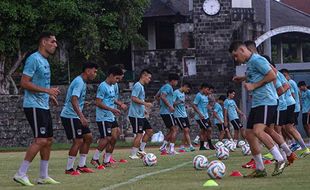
(75, 123)
(231, 111)
(136, 115)
(291, 128)
(259, 78)
(181, 115)
(106, 111)
(36, 82)
(166, 112)
(305, 106)
(219, 118)
(200, 106)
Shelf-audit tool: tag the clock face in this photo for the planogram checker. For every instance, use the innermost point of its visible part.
(211, 7)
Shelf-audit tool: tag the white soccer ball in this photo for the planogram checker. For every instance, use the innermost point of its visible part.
(246, 150)
(216, 169)
(200, 162)
(149, 159)
(219, 144)
(231, 146)
(222, 153)
(225, 140)
(241, 143)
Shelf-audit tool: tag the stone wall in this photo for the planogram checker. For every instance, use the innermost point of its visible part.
(15, 130)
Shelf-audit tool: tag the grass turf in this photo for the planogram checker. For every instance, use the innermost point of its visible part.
(294, 177)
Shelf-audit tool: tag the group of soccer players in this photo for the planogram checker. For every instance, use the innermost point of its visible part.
(272, 119)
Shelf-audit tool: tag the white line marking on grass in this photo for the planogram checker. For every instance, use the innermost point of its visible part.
(138, 178)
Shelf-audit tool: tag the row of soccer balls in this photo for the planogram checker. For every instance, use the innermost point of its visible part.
(223, 149)
(216, 169)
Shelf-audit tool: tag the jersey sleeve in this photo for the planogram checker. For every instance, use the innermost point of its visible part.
(100, 92)
(226, 104)
(30, 67)
(263, 66)
(197, 99)
(77, 89)
(136, 90)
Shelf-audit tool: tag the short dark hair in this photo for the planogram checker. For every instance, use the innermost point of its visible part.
(89, 65)
(45, 34)
(173, 76)
(301, 83)
(204, 85)
(187, 84)
(115, 71)
(145, 71)
(250, 43)
(285, 71)
(235, 45)
(230, 91)
(222, 97)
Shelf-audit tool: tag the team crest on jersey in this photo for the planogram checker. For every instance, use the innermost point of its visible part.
(79, 131)
(109, 130)
(42, 130)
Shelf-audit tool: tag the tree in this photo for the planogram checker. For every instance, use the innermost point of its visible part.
(85, 28)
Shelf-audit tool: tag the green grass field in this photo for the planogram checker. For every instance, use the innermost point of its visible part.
(295, 177)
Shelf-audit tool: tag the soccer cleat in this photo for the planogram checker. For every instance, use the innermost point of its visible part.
(164, 152)
(291, 158)
(112, 160)
(203, 148)
(250, 164)
(257, 174)
(84, 169)
(268, 156)
(279, 168)
(163, 148)
(141, 153)
(192, 149)
(173, 153)
(182, 149)
(212, 147)
(305, 152)
(134, 157)
(110, 165)
(95, 163)
(22, 180)
(72, 172)
(47, 180)
(294, 147)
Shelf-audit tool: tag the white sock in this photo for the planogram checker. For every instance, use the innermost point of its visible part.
(70, 162)
(171, 147)
(259, 162)
(97, 154)
(134, 151)
(23, 168)
(276, 153)
(283, 154)
(142, 146)
(82, 162)
(164, 145)
(286, 149)
(107, 157)
(44, 169)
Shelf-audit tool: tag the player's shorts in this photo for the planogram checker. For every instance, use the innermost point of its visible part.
(204, 123)
(305, 118)
(296, 117)
(168, 120)
(139, 124)
(40, 121)
(261, 114)
(280, 118)
(236, 124)
(74, 128)
(182, 122)
(221, 127)
(290, 114)
(105, 128)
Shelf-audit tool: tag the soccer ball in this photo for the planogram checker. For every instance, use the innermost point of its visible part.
(246, 150)
(225, 140)
(149, 159)
(222, 153)
(231, 146)
(200, 162)
(241, 143)
(228, 142)
(219, 144)
(216, 169)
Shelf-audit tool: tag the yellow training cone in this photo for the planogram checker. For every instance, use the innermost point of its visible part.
(210, 183)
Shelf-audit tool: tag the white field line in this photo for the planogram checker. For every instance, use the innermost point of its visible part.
(138, 178)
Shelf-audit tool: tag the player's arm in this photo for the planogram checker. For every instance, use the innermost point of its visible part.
(138, 101)
(217, 117)
(197, 111)
(269, 77)
(239, 79)
(157, 96)
(76, 108)
(101, 105)
(27, 84)
(163, 97)
(121, 104)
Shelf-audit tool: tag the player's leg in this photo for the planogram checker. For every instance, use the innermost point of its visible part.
(102, 144)
(137, 128)
(147, 135)
(84, 149)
